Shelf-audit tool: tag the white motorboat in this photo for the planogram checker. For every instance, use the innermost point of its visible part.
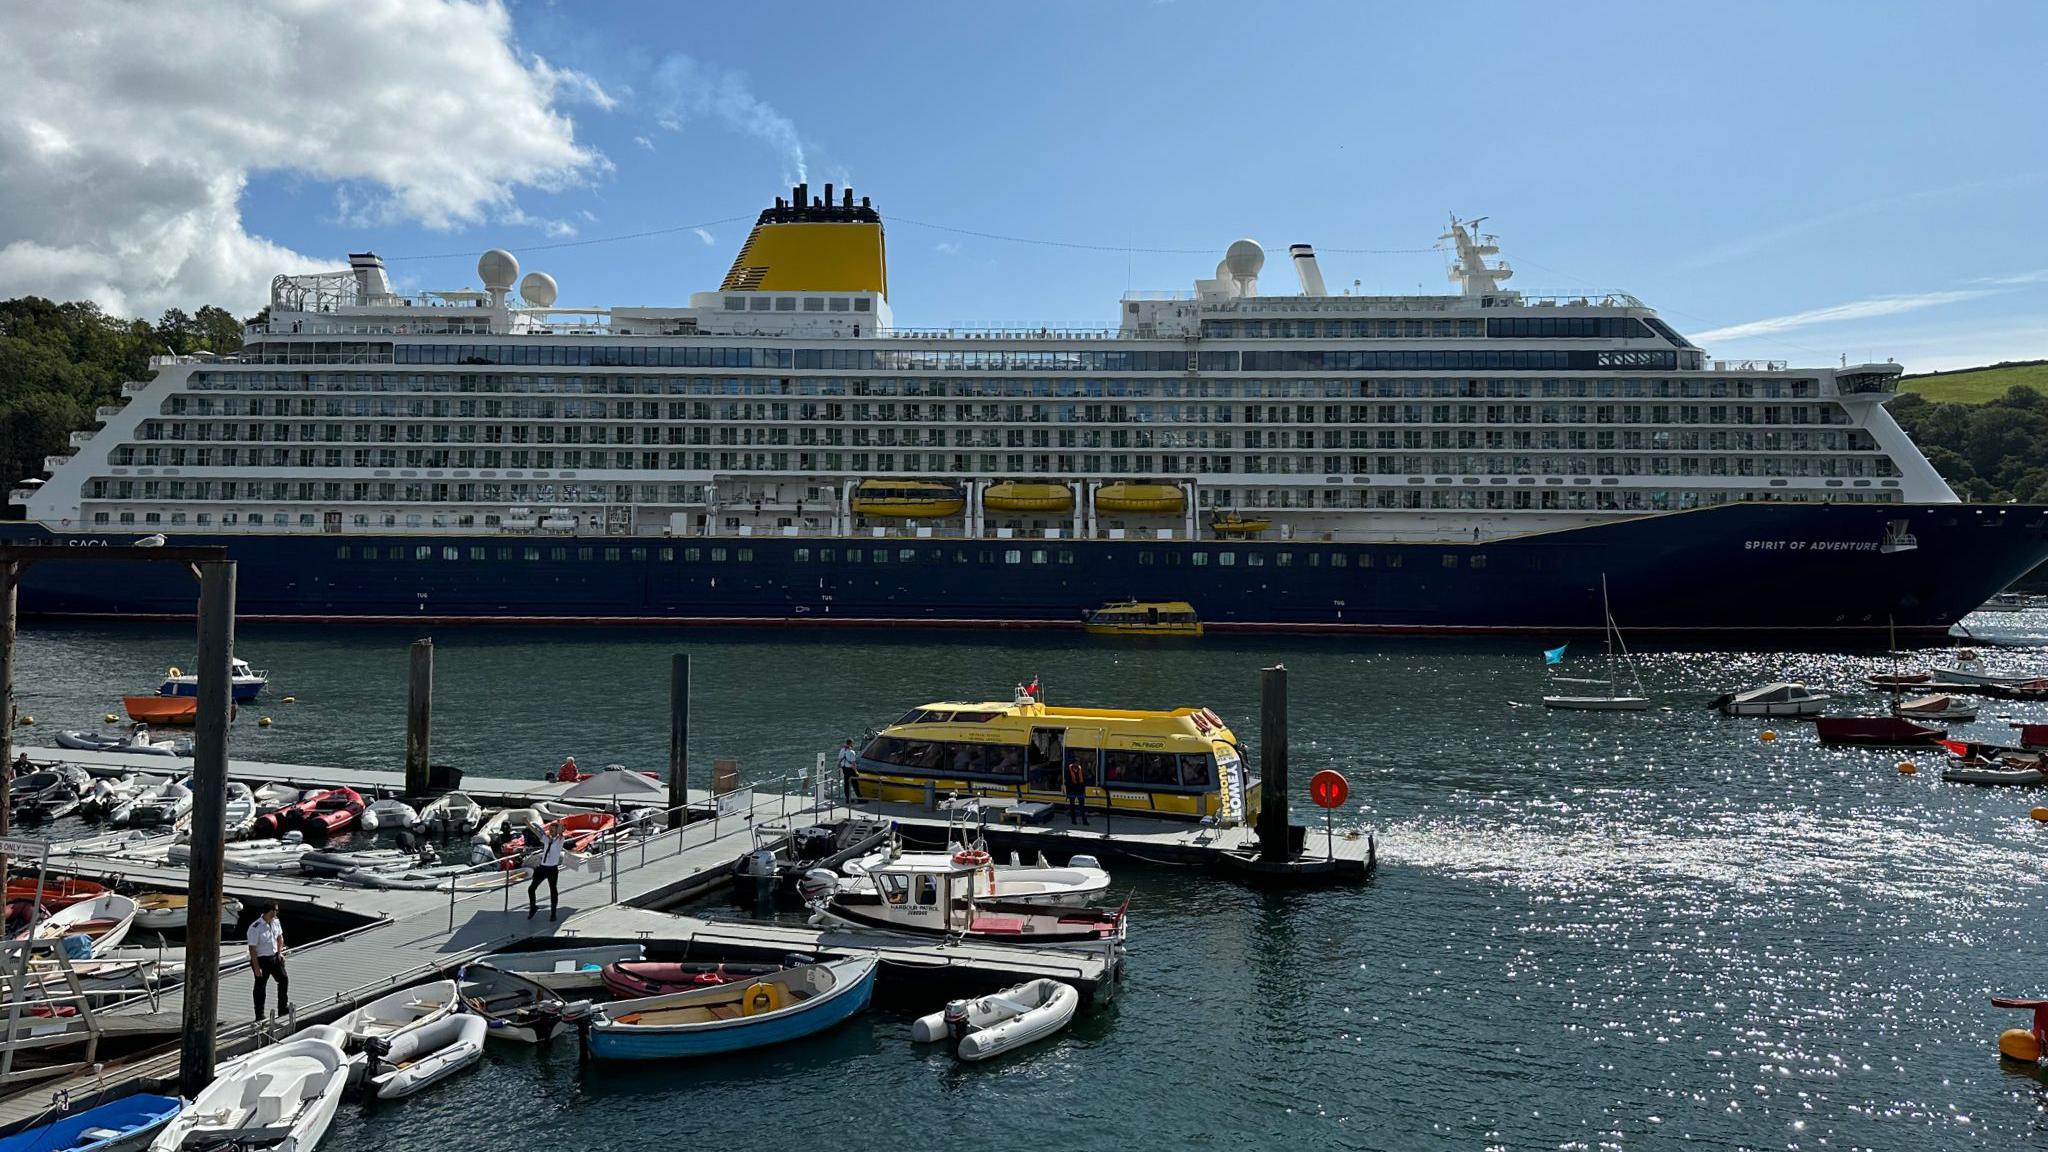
(165, 911)
(934, 894)
(163, 804)
(390, 813)
(1081, 882)
(1989, 774)
(1781, 699)
(452, 814)
(426, 1055)
(110, 792)
(517, 1008)
(499, 826)
(244, 683)
(399, 1012)
(239, 815)
(1610, 700)
(103, 921)
(137, 742)
(1938, 707)
(1002, 1022)
(1969, 668)
(280, 1098)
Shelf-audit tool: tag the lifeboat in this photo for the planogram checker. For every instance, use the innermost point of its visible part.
(1010, 496)
(161, 709)
(58, 892)
(908, 499)
(1140, 499)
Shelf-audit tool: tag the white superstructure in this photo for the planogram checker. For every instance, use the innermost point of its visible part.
(759, 409)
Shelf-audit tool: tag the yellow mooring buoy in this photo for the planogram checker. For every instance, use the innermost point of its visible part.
(263, 723)
(2019, 1044)
(111, 718)
(2040, 815)
(1768, 735)
(1907, 768)
(291, 699)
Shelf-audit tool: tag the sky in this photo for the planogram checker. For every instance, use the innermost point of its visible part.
(1787, 181)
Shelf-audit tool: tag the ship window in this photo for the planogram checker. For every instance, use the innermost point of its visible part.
(927, 890)
(532, 554)
(801, 556)
(906, 556)
(1393, 561)
(692, 555)
(1038, 555)
(735, 303)
(639, 554)
(1226, 559)
(860, 304)
(1479, 562)
(1199, 559)
(1013, 556)
(254, 517)
(881, 555)
(745, 555)
(1450, 561)
(99, 517)
(895, 888)
(825, 555)
(341, 553)
(973, 717)
(841, 304)
(476, 553)
(129, 517)
(1283, 559)
(558, 553)
(1145, 557)
(1194, 771)
(423, 552)
(584, 553)
(1066, 556)
(814, 304)
(760, 304)
(451, 553)
(785, 303)
(667, 555)
(370, 553)
(718, 555)
(1315, 559)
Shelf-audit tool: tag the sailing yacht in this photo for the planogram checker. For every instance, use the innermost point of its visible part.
(1610, 702)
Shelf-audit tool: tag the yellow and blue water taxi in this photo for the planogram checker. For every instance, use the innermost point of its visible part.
(1144, 618)
(1180, 764)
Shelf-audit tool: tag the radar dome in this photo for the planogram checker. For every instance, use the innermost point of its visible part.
(1245, 258)
(498, 269)
(538, 289)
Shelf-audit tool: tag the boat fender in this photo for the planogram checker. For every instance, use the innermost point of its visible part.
(2019, 1044)
(761, 998)
(174, 672)
(817, 884)
(2040, 815)
(971, 858)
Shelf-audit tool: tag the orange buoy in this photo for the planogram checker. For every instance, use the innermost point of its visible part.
(1907, 768)
(2019, 1044)
(1768, 735)
(2040, 814)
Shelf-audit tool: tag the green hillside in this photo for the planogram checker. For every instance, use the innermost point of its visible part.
(1977, 385)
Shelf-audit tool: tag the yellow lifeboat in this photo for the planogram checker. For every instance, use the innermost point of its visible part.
(1010, 496)
(908, 499)
(1144, 618)
(1140, 499)
(1230, 524)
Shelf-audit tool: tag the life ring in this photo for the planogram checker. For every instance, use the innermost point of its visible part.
(174, 672)
(971, 857)
(761, 997)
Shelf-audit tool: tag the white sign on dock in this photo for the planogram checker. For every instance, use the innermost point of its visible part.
(35, 848)
(736, 801)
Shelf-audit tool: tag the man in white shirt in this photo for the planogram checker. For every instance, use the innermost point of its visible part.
(266, 959)
(547, 866)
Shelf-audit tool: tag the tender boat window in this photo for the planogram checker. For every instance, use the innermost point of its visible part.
(894, 888)
(927, 890)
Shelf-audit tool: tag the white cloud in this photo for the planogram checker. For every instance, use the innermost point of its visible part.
(705, 236)
(687, 90)
(2036, 277)
(644, 142)
(946, 248)
(1836, 313)
(131, 131)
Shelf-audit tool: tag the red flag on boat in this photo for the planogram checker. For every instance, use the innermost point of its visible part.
(1033, 690)
(1955, 746)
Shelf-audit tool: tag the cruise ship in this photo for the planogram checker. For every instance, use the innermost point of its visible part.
(780, 450)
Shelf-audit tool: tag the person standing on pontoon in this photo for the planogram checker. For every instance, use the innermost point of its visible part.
(1077, 791)
(266, 960)
(548, 867)
(847, 759)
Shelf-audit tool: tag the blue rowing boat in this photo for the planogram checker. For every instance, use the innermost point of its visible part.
(786, 1005)
(127, 1123)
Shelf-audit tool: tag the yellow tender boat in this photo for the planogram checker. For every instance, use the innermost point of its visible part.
(908, 499)
(1011, 496)
(1140, 499)
(1230, 524)
(1184, 764)
(1145, 618)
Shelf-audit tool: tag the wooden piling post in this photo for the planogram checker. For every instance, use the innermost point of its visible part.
(1272, 825)
(678, 738)
(209, 820)
(419, 717)
(10, 574)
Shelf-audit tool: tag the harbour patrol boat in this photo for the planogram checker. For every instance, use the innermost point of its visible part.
(780, 450)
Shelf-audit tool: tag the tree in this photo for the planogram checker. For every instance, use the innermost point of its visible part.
(219, 332)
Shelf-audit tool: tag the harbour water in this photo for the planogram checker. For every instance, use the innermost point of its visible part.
(1588, 930)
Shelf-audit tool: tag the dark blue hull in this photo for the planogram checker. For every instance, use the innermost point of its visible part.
(1804, 568)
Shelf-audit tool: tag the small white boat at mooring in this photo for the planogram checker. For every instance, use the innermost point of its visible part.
(1002, 1022)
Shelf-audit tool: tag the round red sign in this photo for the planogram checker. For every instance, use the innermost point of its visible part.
(1329, 789)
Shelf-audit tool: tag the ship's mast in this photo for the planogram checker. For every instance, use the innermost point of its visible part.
(1471, 271)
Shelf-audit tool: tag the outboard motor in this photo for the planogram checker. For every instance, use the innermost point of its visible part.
(956, 1021)
(817, 884)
